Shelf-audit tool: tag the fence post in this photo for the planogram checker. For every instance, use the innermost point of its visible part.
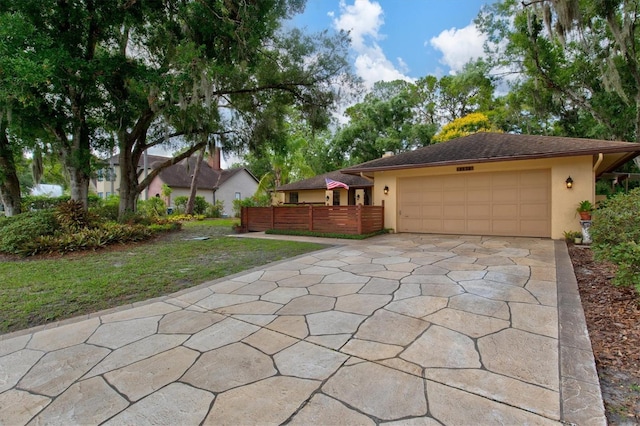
(310, 217)
(244, 219)
(359, 218)
(383, 214)
(273, 217)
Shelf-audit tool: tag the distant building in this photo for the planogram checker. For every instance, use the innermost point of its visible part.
(47, 190)
(213, 183)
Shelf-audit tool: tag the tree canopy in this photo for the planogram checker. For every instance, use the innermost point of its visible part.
(137, 74)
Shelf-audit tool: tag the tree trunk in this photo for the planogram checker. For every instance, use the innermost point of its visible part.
(128, 190)
(9, 184)
(194, 183)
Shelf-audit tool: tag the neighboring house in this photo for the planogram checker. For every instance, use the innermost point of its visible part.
(214, 184)
(47, 190)
(107, 180)
(314, 191)
(492, 183)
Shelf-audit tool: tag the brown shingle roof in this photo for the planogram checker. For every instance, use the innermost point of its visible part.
(318, 182)
(179, 175)
(488, 147)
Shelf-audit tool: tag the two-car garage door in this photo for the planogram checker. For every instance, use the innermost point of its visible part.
(500, 203)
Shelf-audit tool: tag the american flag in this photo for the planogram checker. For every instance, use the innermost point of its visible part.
(333, 184)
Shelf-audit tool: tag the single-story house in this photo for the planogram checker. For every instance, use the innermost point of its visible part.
(492, 183)
(314, 190)
(214, 183)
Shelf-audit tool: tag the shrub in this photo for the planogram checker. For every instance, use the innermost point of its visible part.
(152, 208)
(107, 209)
(16, 231)
(86, 239)
(616, 233)
(215, 210)
(200, 205)
(255, 201)
(42, 202)
(72, 216)
(181, 203)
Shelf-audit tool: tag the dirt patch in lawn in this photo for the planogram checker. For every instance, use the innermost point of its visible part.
(613, 320)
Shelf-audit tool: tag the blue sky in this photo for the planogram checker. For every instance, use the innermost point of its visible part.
(404, 39)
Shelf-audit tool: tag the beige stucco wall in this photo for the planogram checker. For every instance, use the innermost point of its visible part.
(316, 196)
(563, 201)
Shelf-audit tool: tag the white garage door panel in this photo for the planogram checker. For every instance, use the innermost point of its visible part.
(501, 203)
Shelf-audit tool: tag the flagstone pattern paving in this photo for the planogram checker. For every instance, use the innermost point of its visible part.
(400, 329)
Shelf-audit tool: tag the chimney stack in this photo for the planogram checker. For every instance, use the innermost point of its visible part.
(214, 160)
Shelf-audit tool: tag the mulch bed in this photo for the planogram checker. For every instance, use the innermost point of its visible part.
(613, 320)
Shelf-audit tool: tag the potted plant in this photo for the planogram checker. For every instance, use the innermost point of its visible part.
(584, 209)
(573, 237)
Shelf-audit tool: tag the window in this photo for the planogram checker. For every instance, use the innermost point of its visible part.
(100, 175)
(238, 197)
(336, 197)
(293, 197)
(101, 194)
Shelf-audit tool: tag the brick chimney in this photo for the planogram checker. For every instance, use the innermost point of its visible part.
(214, 160)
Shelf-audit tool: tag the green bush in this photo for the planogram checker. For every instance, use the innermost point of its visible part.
(72, 216)
(16, 231)
(107, 209)
(215, 210)
(152, 208)
(181, 203)
(42, 202)
(255, 201)
(200, 205)
(86, 239)
(616, 233)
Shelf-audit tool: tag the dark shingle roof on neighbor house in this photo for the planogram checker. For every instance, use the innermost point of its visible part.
(490, 147)
(318, 182)
(179, 175)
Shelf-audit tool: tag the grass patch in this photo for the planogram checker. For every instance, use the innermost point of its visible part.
(326, 234)
(40, 291)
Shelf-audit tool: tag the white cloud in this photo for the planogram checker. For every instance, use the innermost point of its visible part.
(459, 46)
(363, 19)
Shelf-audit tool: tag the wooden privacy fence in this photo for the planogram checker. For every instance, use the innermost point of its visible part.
(332, 219)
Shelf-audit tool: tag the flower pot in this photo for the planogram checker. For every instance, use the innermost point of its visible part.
(585, 216)
(577, 240)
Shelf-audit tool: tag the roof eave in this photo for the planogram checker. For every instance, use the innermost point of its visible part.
(631, 154)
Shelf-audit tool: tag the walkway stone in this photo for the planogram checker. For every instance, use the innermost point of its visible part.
(308, 361)
(270, 401)
(229, 367)
(87, 402)
(176, 404)
(532, 358)
(389, 394)
(324, 410)
(57, 370)
(144, 377)
(428, 350)
(451, 406)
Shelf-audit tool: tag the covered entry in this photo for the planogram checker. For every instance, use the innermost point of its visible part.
(514, 203)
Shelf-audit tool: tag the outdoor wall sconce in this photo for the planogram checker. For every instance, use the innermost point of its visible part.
(569, 182)
(386, 190)
(358, 197)
(327, 198)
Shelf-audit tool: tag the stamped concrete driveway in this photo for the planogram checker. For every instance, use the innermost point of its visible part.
(407, 329)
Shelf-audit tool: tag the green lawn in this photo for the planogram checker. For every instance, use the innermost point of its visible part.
(34, 292)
